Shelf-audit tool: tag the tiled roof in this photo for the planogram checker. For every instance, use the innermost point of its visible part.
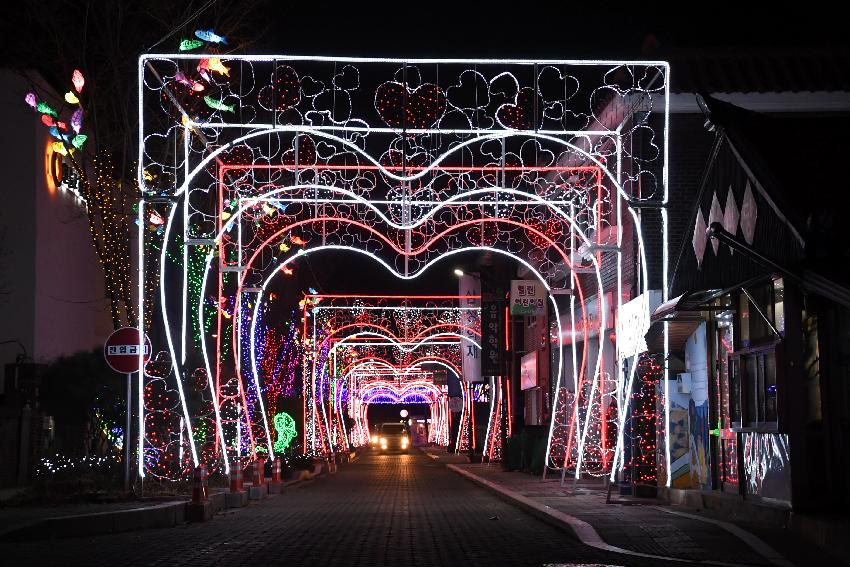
(758, 70)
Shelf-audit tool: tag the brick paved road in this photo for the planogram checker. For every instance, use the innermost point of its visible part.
(389, 510)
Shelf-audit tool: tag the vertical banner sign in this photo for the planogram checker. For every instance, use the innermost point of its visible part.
(492, 332)
(470, 292)
(528, 297)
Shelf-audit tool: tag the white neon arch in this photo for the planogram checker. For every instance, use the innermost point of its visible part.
(495, 135)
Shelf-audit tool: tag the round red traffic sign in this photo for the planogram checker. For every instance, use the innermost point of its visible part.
(121, 350)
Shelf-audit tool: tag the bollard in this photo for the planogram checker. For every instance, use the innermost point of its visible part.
(276, 470)
(199, 484)
(236, 478)
(259, 476)
(258, 489)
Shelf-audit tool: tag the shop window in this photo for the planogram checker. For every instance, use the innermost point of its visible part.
(760, 326)
(752, 377)
(758, 309)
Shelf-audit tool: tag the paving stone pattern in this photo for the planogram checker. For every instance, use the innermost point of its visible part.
(634, 525)
(382, 510)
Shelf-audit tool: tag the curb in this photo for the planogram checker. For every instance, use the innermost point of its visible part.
(581, 530)
(156, 516)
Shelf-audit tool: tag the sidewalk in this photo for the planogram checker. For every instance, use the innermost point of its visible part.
(643, 527)
(79, 519)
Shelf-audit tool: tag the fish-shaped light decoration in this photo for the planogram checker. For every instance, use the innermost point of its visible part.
(147, 175)
(47, 120)
(297, 240)
(213, 64)
(45, 108)
(210, 36)
(218, 105)
(59, 148)
(269, 210)
(31, 100)
(181, 78)
(71, 98)
(312, 290)
(156, 219)
(78, 80)
(79, 140)
(61, 125)
(190, 44)
(77, 120)
(54, 131)
(287, 270)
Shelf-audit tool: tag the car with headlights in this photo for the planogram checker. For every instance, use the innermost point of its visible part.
(393, 437)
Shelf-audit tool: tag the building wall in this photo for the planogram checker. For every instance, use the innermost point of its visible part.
(18, 161)
(55, 302)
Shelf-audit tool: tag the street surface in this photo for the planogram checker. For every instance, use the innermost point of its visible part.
(381, 510)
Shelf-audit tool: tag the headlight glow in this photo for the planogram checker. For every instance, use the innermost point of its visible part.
(374, 438)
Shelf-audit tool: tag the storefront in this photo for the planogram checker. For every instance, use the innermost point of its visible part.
(747, 410)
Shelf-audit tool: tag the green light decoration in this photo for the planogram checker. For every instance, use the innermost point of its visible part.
(79, 140)
(218, 105)
(190, 44)
(45, 108)
(285, 426)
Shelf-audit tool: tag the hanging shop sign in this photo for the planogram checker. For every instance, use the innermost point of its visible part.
(528, 297)
(470, 299)
(492, 332)
(633, 323)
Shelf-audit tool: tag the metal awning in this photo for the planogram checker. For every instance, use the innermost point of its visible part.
(683, 315)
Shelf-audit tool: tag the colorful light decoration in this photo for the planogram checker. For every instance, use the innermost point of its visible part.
(537, 214)
(209, 36)
(78, 81)
(285, 427)
(190, 44)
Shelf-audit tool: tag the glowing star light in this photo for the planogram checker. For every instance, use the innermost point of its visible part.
(78, 80)
(210, 36)
(190, 44)
(218, 105)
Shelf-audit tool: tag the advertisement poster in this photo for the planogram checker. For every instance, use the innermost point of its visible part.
(470, 300)
(528, 371)
(696, 363)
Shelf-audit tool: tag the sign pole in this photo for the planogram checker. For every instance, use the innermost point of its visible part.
(127, 433)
